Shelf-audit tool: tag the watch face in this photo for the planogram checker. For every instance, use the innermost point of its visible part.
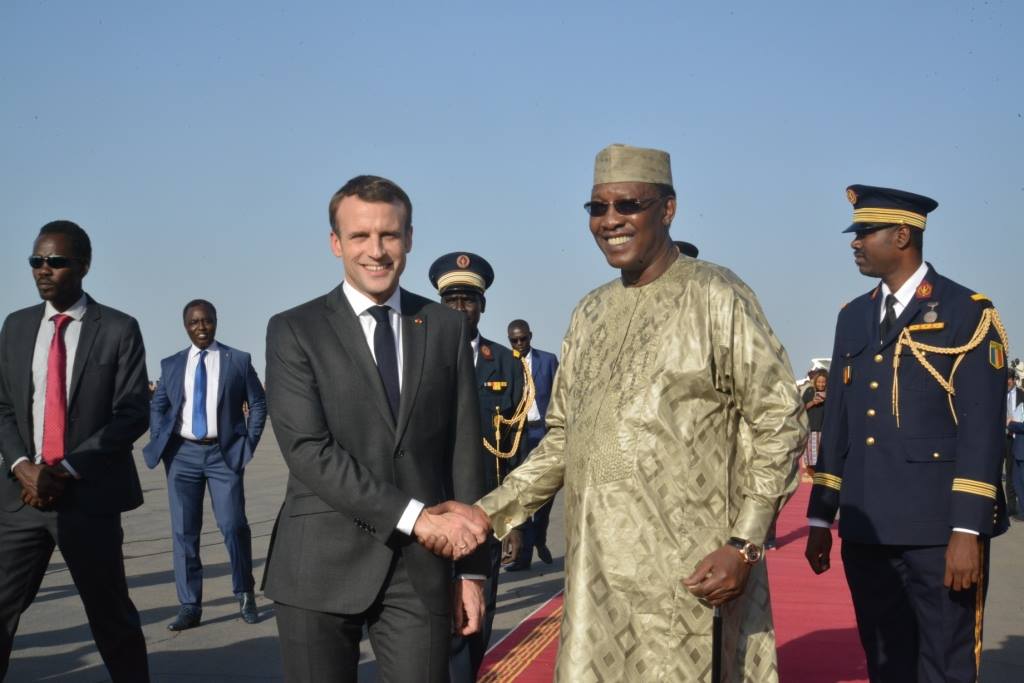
(752, 553)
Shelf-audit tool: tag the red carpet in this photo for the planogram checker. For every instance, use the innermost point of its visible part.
(814, 623)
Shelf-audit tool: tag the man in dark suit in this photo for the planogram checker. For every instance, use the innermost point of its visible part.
(73, 400)
(370, 389)
(199, 429)
(912, 443)
(461, 279)
(1014, 397)
(543, 366)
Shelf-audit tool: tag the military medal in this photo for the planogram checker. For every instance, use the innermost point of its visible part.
(931, 316)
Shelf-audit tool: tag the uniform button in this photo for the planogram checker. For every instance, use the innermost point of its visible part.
(870, 441)
(871, 412)
(873, 385)
(936, 455)
(400, 454)
(879, 358)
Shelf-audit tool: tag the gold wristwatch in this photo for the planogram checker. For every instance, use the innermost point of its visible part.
(751, 553)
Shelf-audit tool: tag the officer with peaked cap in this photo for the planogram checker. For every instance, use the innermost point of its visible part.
(911, 447)
(461, 278)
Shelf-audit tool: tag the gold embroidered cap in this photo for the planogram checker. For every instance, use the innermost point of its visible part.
(877, 207)
(626, 164)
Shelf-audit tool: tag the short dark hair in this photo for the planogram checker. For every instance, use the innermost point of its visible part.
(371, 188)
(79, 239)
(198, 302)
(519, 322)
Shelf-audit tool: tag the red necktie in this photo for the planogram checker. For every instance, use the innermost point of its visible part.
(55, 415)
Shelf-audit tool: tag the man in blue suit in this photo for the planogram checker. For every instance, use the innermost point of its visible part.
(543, 366)
(199, 430)
(911, 449)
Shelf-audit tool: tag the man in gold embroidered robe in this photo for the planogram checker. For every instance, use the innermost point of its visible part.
(674, 429)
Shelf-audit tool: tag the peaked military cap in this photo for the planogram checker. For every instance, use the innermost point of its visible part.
(687, 248)
(880, 207)
(461, 271)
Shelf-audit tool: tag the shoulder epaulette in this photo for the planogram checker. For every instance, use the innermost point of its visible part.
(979, 297)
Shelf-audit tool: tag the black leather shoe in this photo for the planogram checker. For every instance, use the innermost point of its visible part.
(247, 605)
(188, 617)
(544, 554)
(517, 567)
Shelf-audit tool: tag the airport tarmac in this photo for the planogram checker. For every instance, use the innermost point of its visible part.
(54, 643)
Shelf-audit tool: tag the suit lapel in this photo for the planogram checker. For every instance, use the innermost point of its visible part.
(222, 376)
(345, 324)
(414, 346)
(24, 349)
(486, 365)
(90, 329)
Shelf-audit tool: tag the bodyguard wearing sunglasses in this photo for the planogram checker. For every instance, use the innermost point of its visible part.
(73, 399)
(663, 369)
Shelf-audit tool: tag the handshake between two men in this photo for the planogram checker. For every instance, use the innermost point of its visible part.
(453, 530)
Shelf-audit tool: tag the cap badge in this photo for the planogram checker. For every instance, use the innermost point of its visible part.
(924, 290)
(851, 195)
(462, 261)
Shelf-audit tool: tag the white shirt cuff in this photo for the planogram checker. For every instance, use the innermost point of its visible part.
(966, 531)
(815, 521)
(18, 462)
(408, 519)
(70, 469)
(471, 577)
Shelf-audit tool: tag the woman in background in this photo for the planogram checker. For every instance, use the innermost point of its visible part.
(814, 401)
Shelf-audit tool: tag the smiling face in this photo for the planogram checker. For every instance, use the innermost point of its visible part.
(62, 287)
(636, 244)
(820, 383)
(371, 240)
(201, 325)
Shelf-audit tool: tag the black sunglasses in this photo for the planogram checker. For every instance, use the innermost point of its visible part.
(55, 262)
(624, 207)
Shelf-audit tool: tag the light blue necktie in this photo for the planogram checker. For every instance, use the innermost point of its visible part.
(199, 399)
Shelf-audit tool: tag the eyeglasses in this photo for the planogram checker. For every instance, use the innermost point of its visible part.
(55, 262)
(518, 340)
(624, 207)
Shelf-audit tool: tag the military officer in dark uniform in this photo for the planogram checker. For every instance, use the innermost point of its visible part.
(461, 278)
(911, 450)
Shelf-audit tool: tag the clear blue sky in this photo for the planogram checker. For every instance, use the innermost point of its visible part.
(199, 143)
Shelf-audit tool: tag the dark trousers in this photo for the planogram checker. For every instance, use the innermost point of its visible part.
(468, 652)
(91, 546)
(535, 529)
(192, 469)
(911, 626)
(410, 643)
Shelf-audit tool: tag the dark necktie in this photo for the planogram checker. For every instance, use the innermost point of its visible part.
(199, 427)
(387, 357)
(889, 321)
(55, 410)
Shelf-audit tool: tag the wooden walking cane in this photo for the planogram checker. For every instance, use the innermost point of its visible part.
(716, 646)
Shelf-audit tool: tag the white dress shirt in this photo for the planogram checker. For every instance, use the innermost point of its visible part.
(212, 363)
(904, 295)
(533, 414)
(40, 361)
(362, 304)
